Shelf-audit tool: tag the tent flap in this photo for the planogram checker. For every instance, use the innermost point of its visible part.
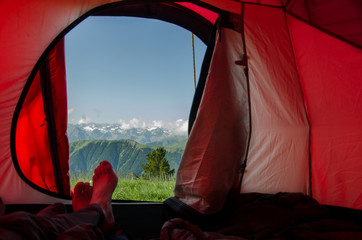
(41, 142)
(211, 164)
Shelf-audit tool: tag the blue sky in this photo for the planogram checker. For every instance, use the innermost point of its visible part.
(134, 71)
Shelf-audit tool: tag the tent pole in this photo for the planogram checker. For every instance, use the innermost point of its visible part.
(193, 58)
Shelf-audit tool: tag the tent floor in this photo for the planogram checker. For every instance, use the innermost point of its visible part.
(144, 220)
(268, 216)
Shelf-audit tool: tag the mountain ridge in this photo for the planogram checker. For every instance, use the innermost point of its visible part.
(126, 156)
(105, 131)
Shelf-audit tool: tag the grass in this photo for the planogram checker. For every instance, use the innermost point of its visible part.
(132, 188)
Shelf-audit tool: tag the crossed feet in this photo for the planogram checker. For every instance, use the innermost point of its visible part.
(104, 182)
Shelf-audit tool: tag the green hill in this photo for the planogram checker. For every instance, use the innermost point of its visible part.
(126, 156)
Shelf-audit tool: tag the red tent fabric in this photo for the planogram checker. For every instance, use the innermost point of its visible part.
(303, 73)
(330, 73)
(35, 138)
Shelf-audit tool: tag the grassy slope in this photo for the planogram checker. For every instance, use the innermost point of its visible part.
(134, 188)
(126, 157)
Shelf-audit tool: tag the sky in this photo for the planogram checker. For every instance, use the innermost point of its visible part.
(133, 71)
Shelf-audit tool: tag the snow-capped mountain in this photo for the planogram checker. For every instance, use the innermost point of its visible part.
(104, 131)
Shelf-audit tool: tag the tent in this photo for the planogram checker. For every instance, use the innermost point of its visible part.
(278, 107)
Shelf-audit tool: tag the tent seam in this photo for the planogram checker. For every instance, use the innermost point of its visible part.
(45, 80)
(324, 30)
(246, 154)
(305, 108)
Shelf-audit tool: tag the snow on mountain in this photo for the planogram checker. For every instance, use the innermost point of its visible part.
(105, 131)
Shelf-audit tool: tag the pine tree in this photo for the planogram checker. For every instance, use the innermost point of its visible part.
(157, 165)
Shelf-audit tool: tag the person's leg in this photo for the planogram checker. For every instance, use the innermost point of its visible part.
(99, 213)
(83, 231)
(104, 182)
(100, 196)
(53, 209)
(23, 225)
